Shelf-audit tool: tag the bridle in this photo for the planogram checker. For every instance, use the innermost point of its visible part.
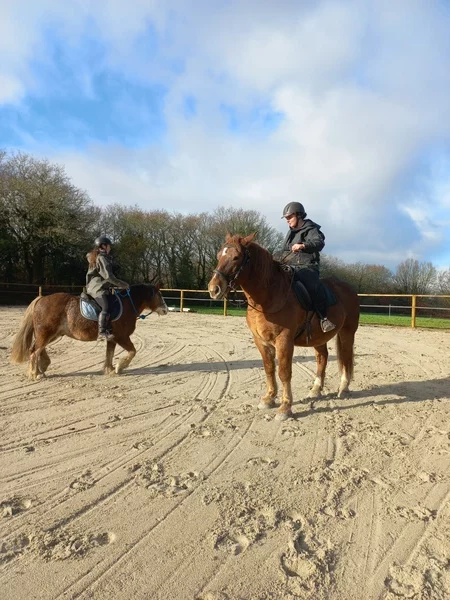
(231, 280)
(127, 293)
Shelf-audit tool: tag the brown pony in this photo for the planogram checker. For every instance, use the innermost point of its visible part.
(277, 321)
(50, 317)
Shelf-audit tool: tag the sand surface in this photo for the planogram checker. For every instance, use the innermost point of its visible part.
(167, 483)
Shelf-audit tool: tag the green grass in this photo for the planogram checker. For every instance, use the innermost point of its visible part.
(365, 319)
(404, 321)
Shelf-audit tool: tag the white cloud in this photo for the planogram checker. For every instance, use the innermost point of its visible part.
(364, 89)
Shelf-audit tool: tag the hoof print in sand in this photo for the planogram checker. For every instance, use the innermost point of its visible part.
(233, 544)
(61, 545)
(201, 430)
(263, 462)
(292, 430)
(152, 476)
(342, 482)
(404, 582)
(14, 548)
(418, 513)
(245, 516)
(83, 482)
(14, 506)
(307, 564)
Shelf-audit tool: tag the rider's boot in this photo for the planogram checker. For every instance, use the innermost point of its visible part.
(322, 309)
(327, 325)
(109, 333)
(102, 334)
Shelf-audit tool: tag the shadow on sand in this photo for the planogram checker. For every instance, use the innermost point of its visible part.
(406, 392)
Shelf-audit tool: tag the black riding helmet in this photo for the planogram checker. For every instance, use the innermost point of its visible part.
(102, 240)
(294, 208)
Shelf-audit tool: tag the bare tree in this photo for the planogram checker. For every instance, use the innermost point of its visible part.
(45, 218)
(244, 222)
(414, 277)
(443, 282)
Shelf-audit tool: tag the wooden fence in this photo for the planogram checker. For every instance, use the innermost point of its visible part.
(22, 294)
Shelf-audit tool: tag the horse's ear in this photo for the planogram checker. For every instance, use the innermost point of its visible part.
(246, 241)
(228, 237)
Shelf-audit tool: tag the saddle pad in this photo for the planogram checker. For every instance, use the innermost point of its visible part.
(90, 311)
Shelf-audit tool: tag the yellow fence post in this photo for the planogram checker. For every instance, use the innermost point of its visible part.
(225, 303)
(40, 290)
(413, 311)
(181, 300)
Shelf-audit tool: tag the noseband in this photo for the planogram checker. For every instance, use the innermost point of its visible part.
(231, 280)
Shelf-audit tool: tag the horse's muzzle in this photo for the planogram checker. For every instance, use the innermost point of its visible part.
(217, 287)
(162, 310)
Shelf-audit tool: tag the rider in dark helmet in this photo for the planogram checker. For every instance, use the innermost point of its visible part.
(99, 281)
(301, 250)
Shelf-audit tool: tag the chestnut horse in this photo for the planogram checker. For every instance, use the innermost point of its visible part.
(277, 321)
(50, 317)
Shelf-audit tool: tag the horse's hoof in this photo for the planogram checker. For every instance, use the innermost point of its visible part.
(343, 393)
(314, 395)
(283, 416)
(265, 405)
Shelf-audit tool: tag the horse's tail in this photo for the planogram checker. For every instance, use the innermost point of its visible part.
(20, 351)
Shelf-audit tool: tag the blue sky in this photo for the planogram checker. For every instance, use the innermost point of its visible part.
(187, 106)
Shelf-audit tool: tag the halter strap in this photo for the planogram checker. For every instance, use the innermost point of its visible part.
(231, 280)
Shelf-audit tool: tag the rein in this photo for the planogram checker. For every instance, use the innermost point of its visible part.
(127, 293)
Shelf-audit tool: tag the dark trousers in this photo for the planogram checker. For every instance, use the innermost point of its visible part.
(103, 318)
(310, 279)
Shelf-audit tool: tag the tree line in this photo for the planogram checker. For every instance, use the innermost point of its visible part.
(47, 226)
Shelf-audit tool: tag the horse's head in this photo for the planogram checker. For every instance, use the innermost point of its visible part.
(155, 300)
(232, 260)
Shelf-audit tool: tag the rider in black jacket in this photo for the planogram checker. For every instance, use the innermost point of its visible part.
(301, 250)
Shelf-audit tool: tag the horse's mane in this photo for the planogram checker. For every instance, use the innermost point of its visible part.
(262, 262)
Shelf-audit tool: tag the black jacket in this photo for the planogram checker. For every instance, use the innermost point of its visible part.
(314, 240)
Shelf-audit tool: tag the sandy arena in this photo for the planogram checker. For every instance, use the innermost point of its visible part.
(167, 482)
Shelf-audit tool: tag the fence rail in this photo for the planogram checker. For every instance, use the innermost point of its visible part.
(22, 293)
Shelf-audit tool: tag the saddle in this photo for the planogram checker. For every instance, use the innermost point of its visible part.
(304, 297)
(310, 304)
(91, 310)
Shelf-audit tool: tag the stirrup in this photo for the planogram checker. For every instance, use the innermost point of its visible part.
(327, 325)
(102, 336)
(109, 336)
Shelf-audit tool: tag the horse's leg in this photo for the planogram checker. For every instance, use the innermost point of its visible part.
(344, 345)
(108, 367)
(285, 351)
(44, 361)
(33, 370)
(268, 355)
(124, 362)
(321, 362)
(39, 359)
